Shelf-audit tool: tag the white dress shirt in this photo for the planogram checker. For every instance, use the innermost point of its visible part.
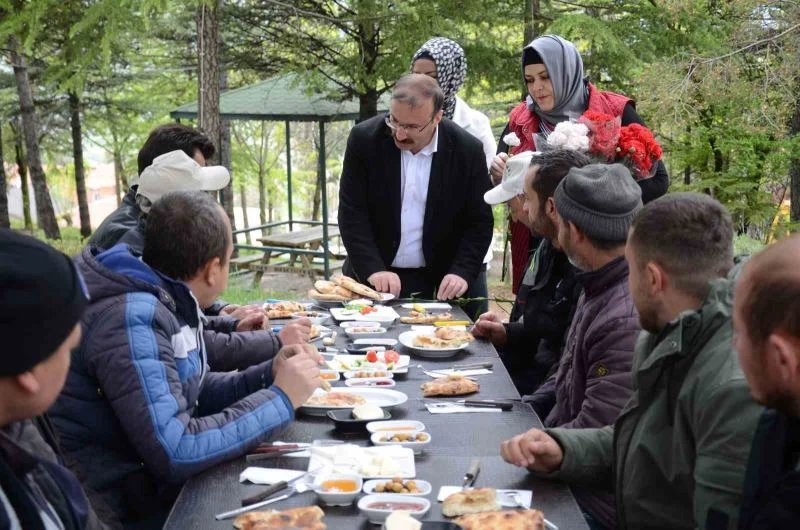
(415, 173)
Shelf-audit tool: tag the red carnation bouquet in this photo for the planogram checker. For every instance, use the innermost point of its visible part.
(633, 143)
(603, 133)
(637, 143)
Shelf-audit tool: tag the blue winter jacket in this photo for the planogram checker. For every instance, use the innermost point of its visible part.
(140, 411)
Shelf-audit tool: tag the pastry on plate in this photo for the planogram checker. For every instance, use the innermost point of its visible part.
(452, 385)
(305, 518)
(359, 288)
(503, 520)
(335, 399)
(445, 337)
(423, 317)
(471, 501)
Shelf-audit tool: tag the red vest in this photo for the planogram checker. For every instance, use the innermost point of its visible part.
(525, 124)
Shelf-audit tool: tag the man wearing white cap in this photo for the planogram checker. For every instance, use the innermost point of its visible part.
(236, 342)
(530, 342)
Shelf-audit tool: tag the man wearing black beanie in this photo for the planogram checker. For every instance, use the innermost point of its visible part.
(42, 299)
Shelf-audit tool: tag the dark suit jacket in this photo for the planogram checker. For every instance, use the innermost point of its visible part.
(458, 224)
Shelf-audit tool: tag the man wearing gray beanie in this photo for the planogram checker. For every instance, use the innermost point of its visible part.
(595, 206)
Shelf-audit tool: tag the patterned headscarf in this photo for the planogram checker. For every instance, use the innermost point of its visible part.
(565, 69)
(451, 68)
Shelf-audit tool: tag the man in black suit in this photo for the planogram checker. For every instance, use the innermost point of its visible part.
(411, 209)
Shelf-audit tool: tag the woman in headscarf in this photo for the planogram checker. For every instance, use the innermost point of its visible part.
(444, 60)
(552, 70)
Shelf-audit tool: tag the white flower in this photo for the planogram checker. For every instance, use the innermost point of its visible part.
(569, 135)
(511, 139)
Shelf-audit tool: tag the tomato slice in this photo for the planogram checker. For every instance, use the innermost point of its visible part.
(391, 356)
(372, 356)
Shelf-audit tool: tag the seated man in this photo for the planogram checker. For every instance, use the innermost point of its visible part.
(42, 299)
(411, 210)
(678, 452)
(161, 140)
(140, 411)
(530, 342)
(236, 342)
(595, 205)
(767, 322)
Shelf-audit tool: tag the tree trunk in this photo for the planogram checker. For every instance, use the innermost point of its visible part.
(243, 202)
(368, 50)
(44, 206)
(22, 168)
(77, 155)
(5, 220)
(794, 169)
(208, 86)
(225, 154)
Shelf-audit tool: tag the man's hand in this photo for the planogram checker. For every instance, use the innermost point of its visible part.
(296, 372)
(497, 168)
(295, 332)
(490, 327)
(255, 321)
(385, 282)
(535, 450)
(452, 286)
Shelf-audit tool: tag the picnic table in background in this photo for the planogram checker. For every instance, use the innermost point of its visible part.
(302, 244)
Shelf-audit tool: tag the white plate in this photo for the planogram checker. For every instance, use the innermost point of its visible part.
(428, 305)
(320, 318)
(379, 516)
(417, 447)
(423, 485)
(383, 398)
(347, 363)
(352, 375)
(371, 382)
(360, 332)
(383, 314)
(359, 324)
(349, 458)
(395, 425)
(407, 339)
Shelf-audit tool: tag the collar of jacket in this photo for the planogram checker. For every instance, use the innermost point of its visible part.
(691, 329)
(17, 458)
(599, 280)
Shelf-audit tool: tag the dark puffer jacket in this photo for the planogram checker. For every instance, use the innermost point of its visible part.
(118, 222)
(594, 380)
(140, 411)
(539, 320)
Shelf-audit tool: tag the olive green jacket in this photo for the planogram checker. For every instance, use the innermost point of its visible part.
(677, 455)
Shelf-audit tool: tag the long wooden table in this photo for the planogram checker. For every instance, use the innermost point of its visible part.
(456, 439)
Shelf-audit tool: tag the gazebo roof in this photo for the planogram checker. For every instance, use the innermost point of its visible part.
(280, 98)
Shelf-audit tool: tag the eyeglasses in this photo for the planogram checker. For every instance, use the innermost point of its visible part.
(393, 125)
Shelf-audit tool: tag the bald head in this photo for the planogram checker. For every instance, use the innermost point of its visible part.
(768, 294)
(415, 89)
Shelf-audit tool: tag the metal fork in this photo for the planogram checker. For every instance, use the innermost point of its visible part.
(517, 499)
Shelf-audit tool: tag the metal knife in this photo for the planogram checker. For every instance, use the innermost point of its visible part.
(472, 366)
(487, 403)
(275, 488)
(233, 513)
(472, 473)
